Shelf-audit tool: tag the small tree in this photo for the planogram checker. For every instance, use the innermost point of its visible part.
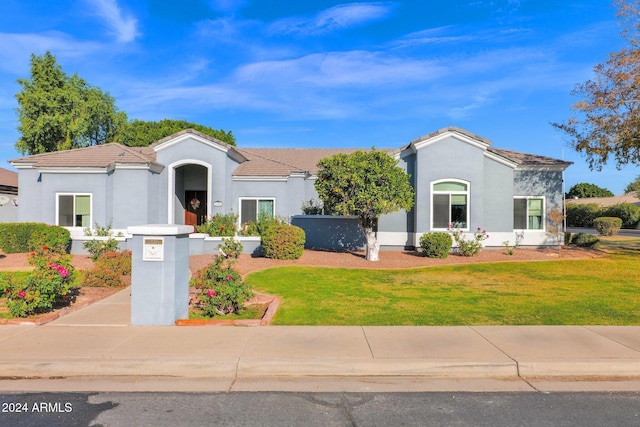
(366, 185)
(555, 226)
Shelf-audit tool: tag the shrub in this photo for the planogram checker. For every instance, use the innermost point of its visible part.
(283, 242)
(220, 225)
(97, 247)
(118, 261)
(222, 290)
(102, 276)
(582, 215)
(14, 236)
(230, 247)
(258, 228)
(47, 287)
(568, 238)
(55, 239)
(585, 240)
(435, 245)
(627, 212)
(607, 226)
(471, 246)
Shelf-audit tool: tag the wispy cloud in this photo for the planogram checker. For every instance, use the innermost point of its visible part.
(15, 49)
(334, 19)
(121, 24)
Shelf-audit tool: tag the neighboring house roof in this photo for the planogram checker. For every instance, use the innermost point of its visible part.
(254, 162)
(8, 181)
(98, 156)
(607, 201)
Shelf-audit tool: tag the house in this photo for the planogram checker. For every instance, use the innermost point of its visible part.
(8, 195)
(183, 179)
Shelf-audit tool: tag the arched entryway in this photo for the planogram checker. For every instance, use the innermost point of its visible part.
(189, 193)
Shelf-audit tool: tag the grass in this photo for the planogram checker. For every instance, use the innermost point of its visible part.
(602, 291)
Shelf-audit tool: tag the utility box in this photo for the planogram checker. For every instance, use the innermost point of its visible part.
(160, 273)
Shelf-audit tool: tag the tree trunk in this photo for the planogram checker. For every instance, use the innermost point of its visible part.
(373, 247)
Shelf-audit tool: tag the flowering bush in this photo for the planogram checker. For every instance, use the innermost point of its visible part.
(48, 287)
(220, 225)
(259, 227)
(230, 247)
(222, 290)
(468, 246)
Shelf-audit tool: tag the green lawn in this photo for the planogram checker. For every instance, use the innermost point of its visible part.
(603, 291)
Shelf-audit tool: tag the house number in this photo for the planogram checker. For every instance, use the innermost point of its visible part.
(153, 249)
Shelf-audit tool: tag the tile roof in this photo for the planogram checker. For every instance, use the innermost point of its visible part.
(8, 178)
(98, 156)
(528, 159)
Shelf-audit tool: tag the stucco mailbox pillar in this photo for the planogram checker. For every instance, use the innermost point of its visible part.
(160, 273)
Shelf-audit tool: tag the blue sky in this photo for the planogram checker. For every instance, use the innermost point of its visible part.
(320, 73)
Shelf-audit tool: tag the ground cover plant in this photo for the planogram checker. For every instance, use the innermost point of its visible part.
(601, 291)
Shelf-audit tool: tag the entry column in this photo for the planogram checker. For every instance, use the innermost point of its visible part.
(160, 273)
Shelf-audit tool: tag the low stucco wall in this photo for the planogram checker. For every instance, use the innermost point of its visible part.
(334, 233)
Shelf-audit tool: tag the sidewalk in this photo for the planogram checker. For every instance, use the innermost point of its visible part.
(97, 341)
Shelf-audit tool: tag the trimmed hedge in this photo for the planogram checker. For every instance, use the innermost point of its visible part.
(435, 245)
(607, 226)
(21, 237)
(585, 240)
(584, 215)
(283, 242)
(627, 212)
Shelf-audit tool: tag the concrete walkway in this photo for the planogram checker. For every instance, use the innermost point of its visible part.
(98, 342)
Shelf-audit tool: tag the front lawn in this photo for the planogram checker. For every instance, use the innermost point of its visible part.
(602, 291)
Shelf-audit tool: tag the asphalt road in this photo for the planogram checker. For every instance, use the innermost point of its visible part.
(267, 409)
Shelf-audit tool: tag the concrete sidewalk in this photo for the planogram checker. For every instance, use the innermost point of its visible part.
(97, 341)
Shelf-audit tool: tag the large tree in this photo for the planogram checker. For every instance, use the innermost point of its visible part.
(140, 133)
(585, 190)
(606, 119)
(633, 186)
(59, 112)
(366, 185)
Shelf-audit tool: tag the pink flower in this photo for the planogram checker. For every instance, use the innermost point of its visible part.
(230, 309)
(53, 265)
(22, 294)
(6, 291)
(211, 293)
(229, 278)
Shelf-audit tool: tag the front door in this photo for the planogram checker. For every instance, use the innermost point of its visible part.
(195, 212)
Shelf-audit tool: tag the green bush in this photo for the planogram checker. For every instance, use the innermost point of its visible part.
(53, 238)
(97, 247)
(607, 226)
(585, 240)
(568, 238)
(582, 215)
(258, 228)
(222, 290)
(436, 245)
(627, 212)
(14, 236)
(220, 225)
(283, 242)
(118, 261)
(102, 276)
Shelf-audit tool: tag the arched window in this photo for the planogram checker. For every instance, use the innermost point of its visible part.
(449, 204)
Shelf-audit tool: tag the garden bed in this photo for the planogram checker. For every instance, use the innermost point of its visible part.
(264, 306)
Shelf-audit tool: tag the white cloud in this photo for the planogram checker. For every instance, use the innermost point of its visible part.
(122, 25)
(334, 19)
(15, 49)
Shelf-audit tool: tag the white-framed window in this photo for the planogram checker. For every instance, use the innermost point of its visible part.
(73, 209)
(252, 208)
(528, 213)
(450, 204)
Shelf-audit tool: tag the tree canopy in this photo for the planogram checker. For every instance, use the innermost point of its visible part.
(606, 120)
(139, 133)
(633, 186)
(366, 185)
(59, 112)
(586, 190)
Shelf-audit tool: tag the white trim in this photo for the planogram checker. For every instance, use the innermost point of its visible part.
(171, 186)
(500, 159)
(57, 213)
(461, 137)
(160, 229)
(544, 214)
(467, 193)
(258, 178)
(72, 170)
(183, 137)
(258, 198)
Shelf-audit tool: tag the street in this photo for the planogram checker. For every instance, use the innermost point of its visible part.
(320, 409)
